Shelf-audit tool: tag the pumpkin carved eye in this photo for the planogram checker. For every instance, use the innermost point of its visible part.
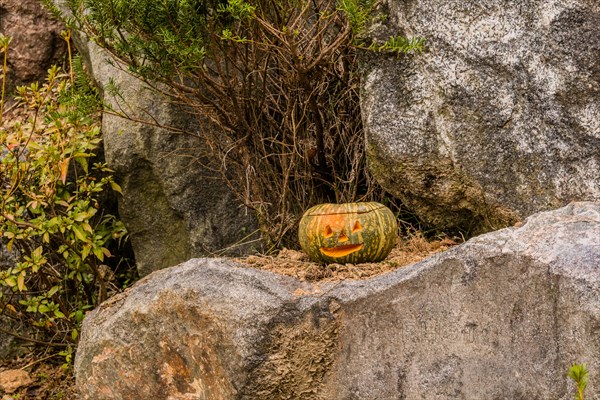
(357, 227)
(328, 232)
(343, 238)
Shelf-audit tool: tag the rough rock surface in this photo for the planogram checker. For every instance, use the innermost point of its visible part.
(497, 120)
(36, 43)
(13, 379)
(500, 317)
(173, 206)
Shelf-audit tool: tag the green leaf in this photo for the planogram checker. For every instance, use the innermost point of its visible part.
(579, 374)
(87, 227)
(79, 217)
(11, 281)
(85, 251)
(37, 253)
(21, 281)
(116, 187)
(79, 233)
(79, 315)
(98, 253)
(52, 291)
(106, 252)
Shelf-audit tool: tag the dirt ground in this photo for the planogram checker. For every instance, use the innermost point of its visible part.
(44, 378)
(295, 263)
(47, 379)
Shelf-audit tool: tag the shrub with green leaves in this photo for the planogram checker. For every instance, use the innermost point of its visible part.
(51, 217)
(278, 81)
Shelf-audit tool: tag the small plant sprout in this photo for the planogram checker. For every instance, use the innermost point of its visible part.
(66, 35)
(579, 374)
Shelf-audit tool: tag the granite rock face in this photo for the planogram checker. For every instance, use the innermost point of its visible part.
(36, 43)
(497, 120)
(500, 317)
(174, 207)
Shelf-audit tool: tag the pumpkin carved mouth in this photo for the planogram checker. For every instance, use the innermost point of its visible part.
(341, 251)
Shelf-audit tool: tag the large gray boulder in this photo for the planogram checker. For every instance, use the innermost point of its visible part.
(174, 205)
(500, 317)
(497, 120)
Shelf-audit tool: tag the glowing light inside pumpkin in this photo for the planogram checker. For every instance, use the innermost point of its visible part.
(342, 238)
(341, 251)
(328, 232)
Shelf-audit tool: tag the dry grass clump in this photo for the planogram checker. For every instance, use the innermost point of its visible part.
(409, 250)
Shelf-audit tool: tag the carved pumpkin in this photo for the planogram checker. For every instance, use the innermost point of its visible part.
(348, 233)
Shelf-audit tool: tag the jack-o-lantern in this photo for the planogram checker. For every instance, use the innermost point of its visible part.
(348, 233)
